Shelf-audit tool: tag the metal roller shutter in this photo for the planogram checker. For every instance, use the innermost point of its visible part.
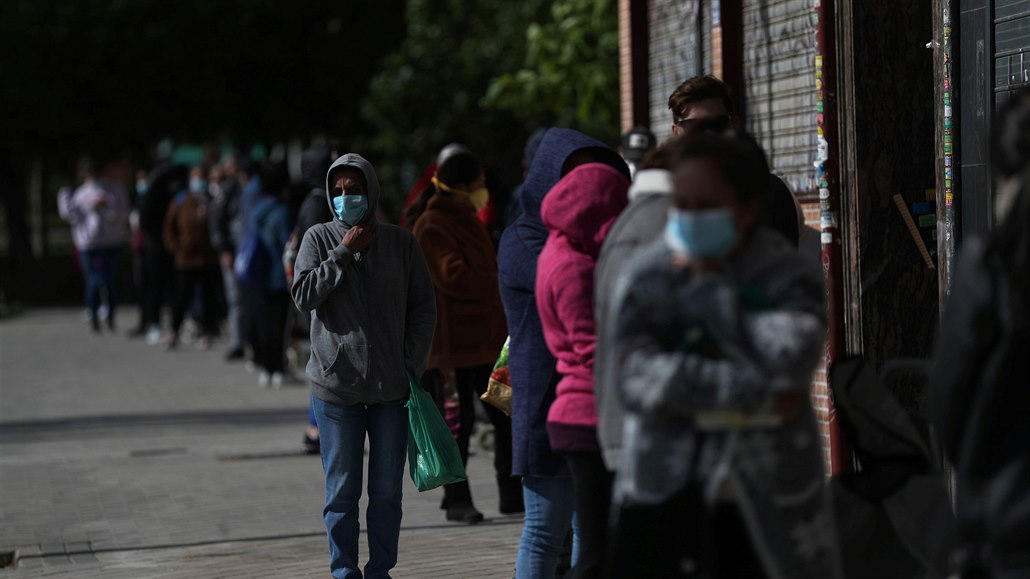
(673, 57)
(779, 75)
(1011, 47)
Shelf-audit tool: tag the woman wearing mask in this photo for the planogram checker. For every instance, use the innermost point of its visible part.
(547, 486)
(720, 325)
(188, 238)
(470, 328)
(578, 212)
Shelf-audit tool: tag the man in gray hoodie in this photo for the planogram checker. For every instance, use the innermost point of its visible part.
(373, 313)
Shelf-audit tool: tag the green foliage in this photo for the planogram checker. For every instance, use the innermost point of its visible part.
(428, 92)
(570, 75)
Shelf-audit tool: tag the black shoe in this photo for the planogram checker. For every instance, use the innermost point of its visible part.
(136, 332)
(465, 513)
(234, 354)
(312, 445)
(512, 505)
(111, 325)
(94, 325)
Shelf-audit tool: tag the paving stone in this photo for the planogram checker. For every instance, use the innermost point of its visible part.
(71, 482)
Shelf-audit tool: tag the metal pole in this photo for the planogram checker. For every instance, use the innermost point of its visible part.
(947, 183)
(828, 176)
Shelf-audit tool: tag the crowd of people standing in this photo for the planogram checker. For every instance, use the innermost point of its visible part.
(662, 314)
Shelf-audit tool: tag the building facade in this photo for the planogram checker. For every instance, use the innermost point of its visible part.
(915, 89)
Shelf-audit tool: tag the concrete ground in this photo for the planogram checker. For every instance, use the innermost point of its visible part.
(120, 460)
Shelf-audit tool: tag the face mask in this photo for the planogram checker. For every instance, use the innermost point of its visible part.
(141, 187)
(479, 198)
(710, 233)
(198, 186)
(350, 209)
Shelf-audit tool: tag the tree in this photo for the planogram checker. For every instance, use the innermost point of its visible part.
(571, 74)
(429, 91)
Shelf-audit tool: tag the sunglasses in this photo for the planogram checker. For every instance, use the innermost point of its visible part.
(712, 125)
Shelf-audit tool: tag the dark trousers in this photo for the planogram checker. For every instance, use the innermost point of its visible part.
(471, 383)
(100, 272)
(158, 274)
(681, 538)
(188, 280)
(593, 483)
(266, 326)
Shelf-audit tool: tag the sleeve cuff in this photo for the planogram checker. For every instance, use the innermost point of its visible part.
(341, 255)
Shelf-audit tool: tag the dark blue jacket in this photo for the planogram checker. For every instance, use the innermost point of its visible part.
(533, 375)
(271, 218)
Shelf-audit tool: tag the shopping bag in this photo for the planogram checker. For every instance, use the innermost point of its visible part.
(498, 390)
(433, 456)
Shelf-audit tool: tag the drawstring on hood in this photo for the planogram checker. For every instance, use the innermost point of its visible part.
(371, 184)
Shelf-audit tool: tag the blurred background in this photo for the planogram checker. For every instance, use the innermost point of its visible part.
(129, 82)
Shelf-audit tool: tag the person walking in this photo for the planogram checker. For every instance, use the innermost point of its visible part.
(719, 327)
(187, 237)
(578, 213)
(978, 388)
(98, 212)
(373, 312)
(470, 326)
(164, 182)
(547, 486)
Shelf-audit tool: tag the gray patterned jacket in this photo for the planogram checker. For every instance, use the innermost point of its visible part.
(703, 357)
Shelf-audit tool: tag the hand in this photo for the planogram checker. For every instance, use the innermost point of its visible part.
(227, 259)
(358, 238)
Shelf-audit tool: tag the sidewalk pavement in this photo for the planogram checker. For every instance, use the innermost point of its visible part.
(122, 460)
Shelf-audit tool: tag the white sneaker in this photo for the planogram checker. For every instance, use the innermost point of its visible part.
(154, 336)
(264, 379)
(277, 380)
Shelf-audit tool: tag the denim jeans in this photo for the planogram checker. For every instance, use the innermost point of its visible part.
(342, 432)
(100, 270)
(550, 502)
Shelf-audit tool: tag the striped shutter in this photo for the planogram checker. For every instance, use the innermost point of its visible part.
(673, 26)
(1011, 47)
(779, 76)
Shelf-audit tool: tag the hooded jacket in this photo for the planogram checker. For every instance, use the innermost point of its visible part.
(270, 219)
(532, 366)
(578, 212)
(373, 311)
(470, 327)
(640, 224)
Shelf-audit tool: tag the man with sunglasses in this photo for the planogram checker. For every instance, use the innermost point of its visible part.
(701, 104)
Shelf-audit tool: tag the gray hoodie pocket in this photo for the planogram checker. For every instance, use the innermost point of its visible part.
(350, 361)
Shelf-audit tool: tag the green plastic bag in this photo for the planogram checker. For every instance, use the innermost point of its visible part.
(433, 457)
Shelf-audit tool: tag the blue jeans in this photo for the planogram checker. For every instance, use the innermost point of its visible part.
(342, 432)
(99, 269)
(550, 502)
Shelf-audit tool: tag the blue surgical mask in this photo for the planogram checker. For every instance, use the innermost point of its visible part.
(709, 233)
(141, 186)
(198, 186)
(350, 209)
